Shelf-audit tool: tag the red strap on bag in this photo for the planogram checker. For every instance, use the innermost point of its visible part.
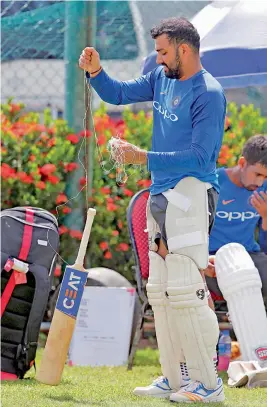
(17, 277)
(27, 235)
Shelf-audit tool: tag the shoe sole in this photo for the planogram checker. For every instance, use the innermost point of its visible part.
(217, 399)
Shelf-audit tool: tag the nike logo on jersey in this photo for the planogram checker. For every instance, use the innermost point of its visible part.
(227, 202)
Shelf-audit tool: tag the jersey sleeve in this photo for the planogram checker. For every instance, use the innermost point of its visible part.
(124, 92)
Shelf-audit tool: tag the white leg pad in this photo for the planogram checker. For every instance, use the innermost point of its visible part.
(240, 284)
(167, 338)
(187, 221)
(195, 321)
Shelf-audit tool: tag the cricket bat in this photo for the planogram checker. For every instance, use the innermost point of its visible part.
(64, 319)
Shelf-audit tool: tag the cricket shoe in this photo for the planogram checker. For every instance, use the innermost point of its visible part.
(159, 388)
(197, 392)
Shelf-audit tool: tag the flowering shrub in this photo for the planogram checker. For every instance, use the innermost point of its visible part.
(240, 124)
(36, 162)
(38, 158)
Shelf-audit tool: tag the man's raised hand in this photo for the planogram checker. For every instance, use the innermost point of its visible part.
(90, 61)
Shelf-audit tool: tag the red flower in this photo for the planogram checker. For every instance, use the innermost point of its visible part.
(57, 272)
(53, 179)
(120, 127)
(51, 131)
(105, 190)
(14, 108)
(62, 229)
(66, 210)
(124, 247)
(103, 245)
(61, 198)
(144, 183)
(101, 139)
(7, 171)
(71, 166)
(111, 207)
(108, 255)
(51, 142)
(23, 177)
(32, 157)
(110, 200)
(21, 129)
(47, 169)
(40, 185)
(115, 232)
(73, 138)
(44, 137)
(222, 161)
(102, 123)
(127, 192)
(40, 127)
(120, 224)
(85, 133)
(76, 234)
(227, 122)
(82, 181)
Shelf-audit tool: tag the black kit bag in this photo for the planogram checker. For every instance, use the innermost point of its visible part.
(29, 246)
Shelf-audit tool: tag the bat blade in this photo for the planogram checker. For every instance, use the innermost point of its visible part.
(64, 319)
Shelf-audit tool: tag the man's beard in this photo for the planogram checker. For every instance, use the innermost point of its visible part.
(251, 187)
(176, 72)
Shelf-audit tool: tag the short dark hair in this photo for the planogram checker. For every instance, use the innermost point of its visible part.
(178, 29)
(255, 150)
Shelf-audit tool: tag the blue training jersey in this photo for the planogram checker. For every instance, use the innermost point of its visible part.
(236, 219)
(188, 123)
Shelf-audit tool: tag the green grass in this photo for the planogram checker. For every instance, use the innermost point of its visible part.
(108, 387)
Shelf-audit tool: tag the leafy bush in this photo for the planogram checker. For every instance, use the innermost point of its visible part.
(37, 159)
(241, 123)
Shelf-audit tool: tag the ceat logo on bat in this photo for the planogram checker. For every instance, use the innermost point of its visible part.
(261, 353)
(71, 291)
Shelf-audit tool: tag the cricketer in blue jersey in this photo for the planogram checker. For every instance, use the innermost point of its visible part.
(242, 210)
(189, 109)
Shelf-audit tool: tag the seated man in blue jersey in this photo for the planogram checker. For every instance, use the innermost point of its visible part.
(241, 209)
(238, 263)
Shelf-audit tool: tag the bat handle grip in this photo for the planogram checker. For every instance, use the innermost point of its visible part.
(85, 237)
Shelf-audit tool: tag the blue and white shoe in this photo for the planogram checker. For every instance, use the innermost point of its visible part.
(185, 381)
(197, 392)
(159, 388)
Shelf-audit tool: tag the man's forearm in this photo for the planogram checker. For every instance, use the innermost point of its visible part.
(108, 89)
(264, 224)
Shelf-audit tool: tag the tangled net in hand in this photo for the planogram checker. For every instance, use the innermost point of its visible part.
(117, 154)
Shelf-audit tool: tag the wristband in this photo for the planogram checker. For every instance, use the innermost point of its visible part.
(92, 73)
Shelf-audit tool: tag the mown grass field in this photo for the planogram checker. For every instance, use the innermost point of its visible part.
(108, 387)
